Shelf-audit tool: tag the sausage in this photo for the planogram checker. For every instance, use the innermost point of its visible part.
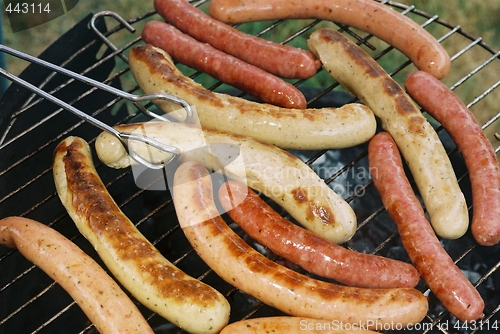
(370, 16)
(203, 57)
(292, 325)
(313, 253)
(438, 270)
(419, 143)
(131, 258)
(275, 285)
(279, 175)
(480, 158)
(95, 292)
(281, 60)
(303, 129)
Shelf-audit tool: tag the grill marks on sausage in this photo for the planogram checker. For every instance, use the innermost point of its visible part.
(91, 200)
(289, 279)
(314, 210)
(356, 54)
(360, 59)
(291, 292)
(321, 212)
(313, 253)
(157, 63)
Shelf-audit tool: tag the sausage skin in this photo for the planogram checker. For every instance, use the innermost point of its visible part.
(478, 153)
(251, 272)
(371, 16)
(311, 252)
(95, 292)
(438, 270)
(419, 143)
(132, 259)
(279, 175)
(302, 129)
(292, 325)
(203, 57)
(281, 60)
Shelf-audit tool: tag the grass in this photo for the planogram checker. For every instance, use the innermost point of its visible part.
(35, 40)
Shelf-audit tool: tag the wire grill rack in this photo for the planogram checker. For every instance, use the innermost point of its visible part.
(30, 128)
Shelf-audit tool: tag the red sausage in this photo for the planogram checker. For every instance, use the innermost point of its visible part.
(367, 15)
(281, 60)
(436, 267)
(222, 66)
(315, 254)
(447, 108)
(233, 260)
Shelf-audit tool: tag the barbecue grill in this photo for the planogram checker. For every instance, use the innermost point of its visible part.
(97, 47)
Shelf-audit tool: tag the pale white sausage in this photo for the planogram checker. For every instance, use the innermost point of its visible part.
(279, 175)
(419, 143)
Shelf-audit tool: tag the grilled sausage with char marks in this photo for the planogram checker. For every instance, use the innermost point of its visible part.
(311, 252)
(437, 268)
(282, 288)
(419, 143)
(132, 259)
(301, 129)
(279, 175)
(96, 293)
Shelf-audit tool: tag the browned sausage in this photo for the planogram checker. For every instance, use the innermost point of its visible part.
(288, 128)
(279, 175)
(97, 294)
(231, 70)
(153, 280)
(281, 60)
(311, 252)
(275, 285)
(419, 143)
(371, 16)
(447, 108)
(438, 270)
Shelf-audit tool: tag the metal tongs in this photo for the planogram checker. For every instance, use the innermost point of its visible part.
(135, 99)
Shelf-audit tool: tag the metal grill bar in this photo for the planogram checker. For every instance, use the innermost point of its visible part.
(115, 179)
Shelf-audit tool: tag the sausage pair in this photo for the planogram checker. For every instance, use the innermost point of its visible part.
(281, 176)
(251, 272)
(438, 270)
